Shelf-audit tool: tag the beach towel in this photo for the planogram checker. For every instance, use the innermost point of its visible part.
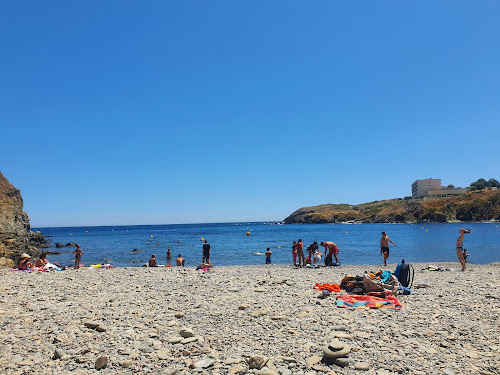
(368, 302)
(331, 287)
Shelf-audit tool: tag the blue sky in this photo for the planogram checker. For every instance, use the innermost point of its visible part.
(130, 112)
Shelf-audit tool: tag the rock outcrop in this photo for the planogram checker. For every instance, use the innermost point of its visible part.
(474, 206)
(15, 234)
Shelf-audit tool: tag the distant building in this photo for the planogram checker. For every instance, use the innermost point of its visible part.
(431, 188)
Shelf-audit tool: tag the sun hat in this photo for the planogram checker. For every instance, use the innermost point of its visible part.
(24, 255)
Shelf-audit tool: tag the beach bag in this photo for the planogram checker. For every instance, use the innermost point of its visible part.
(405, 274)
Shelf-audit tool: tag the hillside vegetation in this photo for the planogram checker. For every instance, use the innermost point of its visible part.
(483, 205)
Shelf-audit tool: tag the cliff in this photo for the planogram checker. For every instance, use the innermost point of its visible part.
(481, 205)
(15, 234)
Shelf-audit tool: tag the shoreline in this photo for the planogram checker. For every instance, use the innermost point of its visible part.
(235, 312)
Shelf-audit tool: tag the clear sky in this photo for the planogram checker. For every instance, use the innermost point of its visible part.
(157, 112)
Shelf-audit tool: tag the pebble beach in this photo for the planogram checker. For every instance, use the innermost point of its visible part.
(244, 319)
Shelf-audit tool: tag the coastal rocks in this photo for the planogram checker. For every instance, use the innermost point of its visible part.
(15, 235)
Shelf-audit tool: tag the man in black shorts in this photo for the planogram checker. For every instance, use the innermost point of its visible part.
(384, 246)
(206, 252)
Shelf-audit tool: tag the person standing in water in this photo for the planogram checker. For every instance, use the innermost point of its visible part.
(206, 252)
(384, 246)
(268, 256)
(460, 250)
(331, 250)
(169, 255)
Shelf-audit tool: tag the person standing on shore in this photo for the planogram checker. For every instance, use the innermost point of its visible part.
(384, 246)
(460, 250)
(332, 250)
(268, 256)
(294, 253)
(299, 246)
(206, 252)
(78, 256)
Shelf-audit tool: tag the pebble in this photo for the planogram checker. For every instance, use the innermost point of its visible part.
(101, 363)
(361, 366)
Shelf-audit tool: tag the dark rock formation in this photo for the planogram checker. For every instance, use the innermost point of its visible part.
(15, 234)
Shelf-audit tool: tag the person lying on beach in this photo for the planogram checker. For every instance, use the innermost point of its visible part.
(152, 261)
(180, 261)
(204, 266)
(78, 256)
(24, 263)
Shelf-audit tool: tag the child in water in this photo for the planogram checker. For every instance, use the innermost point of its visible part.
(268, 256)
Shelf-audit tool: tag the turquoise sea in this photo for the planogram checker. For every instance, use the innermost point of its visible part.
(358, 243)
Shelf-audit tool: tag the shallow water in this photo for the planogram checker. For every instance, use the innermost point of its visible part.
(358, 243)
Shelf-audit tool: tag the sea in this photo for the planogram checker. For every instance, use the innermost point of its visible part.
(245, 243)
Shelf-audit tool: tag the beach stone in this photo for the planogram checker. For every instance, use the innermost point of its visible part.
(163, 354)
(230, 361)
(91, 325)
(26, 362)
(126, 364)
(101, 363)
(179, 315)
(447, 371)
(278, 317)
(342, 335)
(340, 328)
(361, 366)
(189, 339)
(260, 312)
(289, 359)
(342, 362)
(243, 307)
(336, 350)
(175, 340)
(313, 360)
(186, 332)
(257, 361)
(319, 368)
(58, 354)
(204, 363)
(265, 372)
(237, 369)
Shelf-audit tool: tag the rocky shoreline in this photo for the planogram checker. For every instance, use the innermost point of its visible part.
(236, 320)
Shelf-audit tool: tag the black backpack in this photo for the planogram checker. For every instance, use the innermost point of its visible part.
(405, 274)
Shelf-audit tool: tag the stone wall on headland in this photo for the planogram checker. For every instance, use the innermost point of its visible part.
(16, 236)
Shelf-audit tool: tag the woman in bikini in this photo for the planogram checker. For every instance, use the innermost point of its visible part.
(460, 250)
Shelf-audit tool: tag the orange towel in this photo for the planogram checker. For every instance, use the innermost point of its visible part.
(331, 287)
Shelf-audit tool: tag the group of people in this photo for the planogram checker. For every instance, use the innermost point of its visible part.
(179, 261)
(314, 255)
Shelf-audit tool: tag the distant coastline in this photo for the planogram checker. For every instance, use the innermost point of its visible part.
(475, 206)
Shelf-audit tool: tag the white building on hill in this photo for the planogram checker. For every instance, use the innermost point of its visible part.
(431, 188)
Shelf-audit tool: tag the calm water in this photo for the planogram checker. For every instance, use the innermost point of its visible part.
(358, 243)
